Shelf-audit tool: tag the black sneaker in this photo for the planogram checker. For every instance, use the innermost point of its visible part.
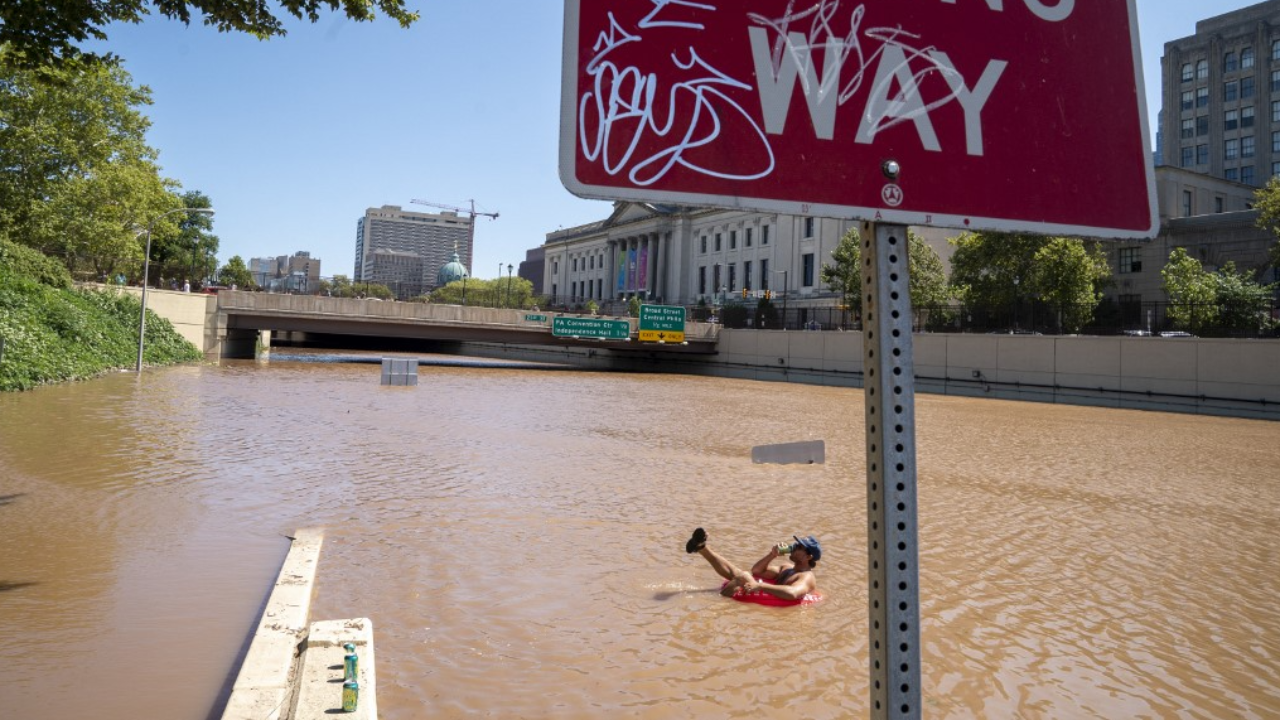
(697, 541)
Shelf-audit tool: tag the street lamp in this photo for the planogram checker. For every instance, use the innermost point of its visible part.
(785, 288)
(146, 269)
(510, 267)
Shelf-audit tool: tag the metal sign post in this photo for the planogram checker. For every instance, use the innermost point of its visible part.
(892, 554)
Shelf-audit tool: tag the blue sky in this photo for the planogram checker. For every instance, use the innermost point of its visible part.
(293, 138)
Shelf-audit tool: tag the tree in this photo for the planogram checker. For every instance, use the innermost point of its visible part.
(1192, 291)
(1243, 304)
(64, 124)
(192, 252)
(103, 215)
(1067, 275)
(236, 273)
(999, 271)
(993, 270)
(1267, 200)
(46, 33)
(844, 273)
(927, 283)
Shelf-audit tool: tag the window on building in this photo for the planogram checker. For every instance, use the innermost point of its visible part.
(1275, 80)
(748, 237)
(746, 275)
(1247, 146)
(1231, 120)
(702, 280)
(1231, 149)
(806, 261)
(1217, 204)
(1275, 142)
(715, 278)
(764, 274)
(1188, 128)
(1187, 73)
(1246, 175)
(1275, 168)
(717, 242)
(1246, 88)
(733, 239)
(1202, 70)
(764, 234)
(1246, 117)
(1130, 260)
(555, 267)
(1187, 156)
(574, 265)
(808, 227)
(733, 277)
(1232, 174)
(1186, 203)
(1231, 91)
(1230, 63)
(1275, 50)
(702, 246)
(1202, 126)
(1188, 100)
(1202, 97)
(1202, 154)
(1246, 58)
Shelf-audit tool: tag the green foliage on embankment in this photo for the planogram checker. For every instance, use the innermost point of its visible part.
(53, 333)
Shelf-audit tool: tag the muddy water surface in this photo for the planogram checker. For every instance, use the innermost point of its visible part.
(517, 538)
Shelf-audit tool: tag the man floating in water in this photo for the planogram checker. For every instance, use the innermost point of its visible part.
(791, 580)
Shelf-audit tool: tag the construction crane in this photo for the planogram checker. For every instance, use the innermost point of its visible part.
(471, 238)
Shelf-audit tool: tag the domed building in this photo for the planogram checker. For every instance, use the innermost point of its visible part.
(451, 271)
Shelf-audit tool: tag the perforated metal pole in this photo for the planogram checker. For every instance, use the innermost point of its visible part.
(894, 597)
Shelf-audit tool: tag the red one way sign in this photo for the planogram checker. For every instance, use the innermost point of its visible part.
(1018, 115)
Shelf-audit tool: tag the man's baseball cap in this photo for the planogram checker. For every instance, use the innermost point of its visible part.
(810, 545)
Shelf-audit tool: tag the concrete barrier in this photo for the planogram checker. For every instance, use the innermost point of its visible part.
(264, 687)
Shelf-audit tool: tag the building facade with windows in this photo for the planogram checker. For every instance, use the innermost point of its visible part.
(1221, 93)
(405, 250)
(298, 273)
(686, 256)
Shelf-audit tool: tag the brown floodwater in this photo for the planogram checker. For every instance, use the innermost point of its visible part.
(517, 538)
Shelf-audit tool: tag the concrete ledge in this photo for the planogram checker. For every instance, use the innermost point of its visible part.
(319, 683)
(263, 688)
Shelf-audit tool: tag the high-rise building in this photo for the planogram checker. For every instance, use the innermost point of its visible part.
(1221, 92)
(405, 250)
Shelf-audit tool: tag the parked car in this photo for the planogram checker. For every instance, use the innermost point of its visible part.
(1176, 334)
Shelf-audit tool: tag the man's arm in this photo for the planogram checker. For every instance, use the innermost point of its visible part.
(797, 587)
(761, 568)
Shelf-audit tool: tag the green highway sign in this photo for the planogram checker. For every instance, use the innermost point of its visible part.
(594, 328)
(535, 318)
(661, 323)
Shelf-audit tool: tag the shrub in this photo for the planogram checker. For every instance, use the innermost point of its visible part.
(21, 261)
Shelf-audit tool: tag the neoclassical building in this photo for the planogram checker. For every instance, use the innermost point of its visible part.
(681, 255)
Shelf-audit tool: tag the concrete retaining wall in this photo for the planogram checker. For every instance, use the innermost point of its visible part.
(1238, 378)
(1220, 377)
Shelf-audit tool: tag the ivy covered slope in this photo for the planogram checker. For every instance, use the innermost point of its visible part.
(53, 332)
